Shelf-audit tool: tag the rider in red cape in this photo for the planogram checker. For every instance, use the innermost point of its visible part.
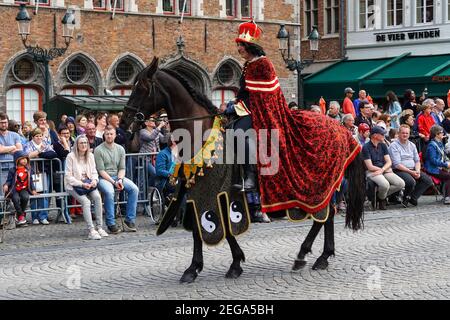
(314, 150)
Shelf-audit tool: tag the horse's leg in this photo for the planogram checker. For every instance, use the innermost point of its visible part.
(328, 247)
(238, 255)
(196, 266)
(300, 262)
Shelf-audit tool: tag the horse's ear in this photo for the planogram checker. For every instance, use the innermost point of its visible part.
(153, 67)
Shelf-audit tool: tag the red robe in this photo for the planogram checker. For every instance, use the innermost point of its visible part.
(314, 150)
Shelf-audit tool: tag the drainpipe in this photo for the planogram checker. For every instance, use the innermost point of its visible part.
(342, 29)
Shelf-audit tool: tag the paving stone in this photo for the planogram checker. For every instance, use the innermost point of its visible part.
(401, 254)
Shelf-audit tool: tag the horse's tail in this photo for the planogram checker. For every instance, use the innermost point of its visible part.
(356, 178)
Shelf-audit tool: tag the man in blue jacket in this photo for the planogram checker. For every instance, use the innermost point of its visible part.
(165, 165)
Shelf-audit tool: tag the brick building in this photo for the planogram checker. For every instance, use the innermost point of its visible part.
(328, 16)
(111, 46)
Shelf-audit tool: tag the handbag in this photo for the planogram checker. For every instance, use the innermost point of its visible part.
(83, 191)
(40, 181)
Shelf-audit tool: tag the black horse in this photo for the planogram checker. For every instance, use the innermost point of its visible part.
(157, 88)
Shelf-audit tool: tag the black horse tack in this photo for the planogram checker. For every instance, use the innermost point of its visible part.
(214, 211)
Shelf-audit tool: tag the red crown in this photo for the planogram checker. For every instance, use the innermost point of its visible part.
(249, 32)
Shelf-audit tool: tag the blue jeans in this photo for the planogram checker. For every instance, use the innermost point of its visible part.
(107, 189)
(151, 175)
(41, 203)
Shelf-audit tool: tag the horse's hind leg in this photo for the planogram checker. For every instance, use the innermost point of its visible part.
(300, 262)
(238, 255)
(328, 247)
(196, 266)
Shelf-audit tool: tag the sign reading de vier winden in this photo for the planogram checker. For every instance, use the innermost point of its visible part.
(408, 35)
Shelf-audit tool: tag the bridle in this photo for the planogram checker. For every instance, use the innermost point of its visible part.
(154, 85)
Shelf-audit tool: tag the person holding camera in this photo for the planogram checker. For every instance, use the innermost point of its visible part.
(150, 138)
(81, 179)
(110, 162)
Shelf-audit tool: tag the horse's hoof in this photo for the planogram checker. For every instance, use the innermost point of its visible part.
(188, 277)
(234, 273)
(320, 264)
(298, 264)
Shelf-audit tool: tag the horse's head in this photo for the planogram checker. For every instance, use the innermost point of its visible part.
(145, 99)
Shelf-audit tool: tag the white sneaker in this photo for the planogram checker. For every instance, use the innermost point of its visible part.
(447, 200)
(265, 218)
(102, 232)
(45, 221)
(94, 235)
(35, 221)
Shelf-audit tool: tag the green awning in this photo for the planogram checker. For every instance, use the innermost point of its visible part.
(377, 76)
(72, 105)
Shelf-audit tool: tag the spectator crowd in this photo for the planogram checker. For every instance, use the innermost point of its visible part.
(404, 145)
(91, 150)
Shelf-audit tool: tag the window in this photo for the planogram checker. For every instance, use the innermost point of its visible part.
(187, 9)
(220, 96)
(176, 7)
(169, 6)
(331, 16)
(311, 15)
(366, 14)
(230, 8)
(124, 71)
(41, 2)
(75, 91)
(102, 4)
(424, 11)
(225, 75)
(125, 91)
(76, 71)
(24, 70)
(22, 102)
(246, 9)
(394, 12)
(99, 4)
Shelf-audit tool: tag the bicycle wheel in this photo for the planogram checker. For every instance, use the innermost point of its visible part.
(156, 205)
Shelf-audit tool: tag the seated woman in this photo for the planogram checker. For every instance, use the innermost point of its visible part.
(436, 163)
(81, 180)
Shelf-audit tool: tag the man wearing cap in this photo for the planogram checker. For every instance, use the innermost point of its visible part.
(347, 105)
(378, 162)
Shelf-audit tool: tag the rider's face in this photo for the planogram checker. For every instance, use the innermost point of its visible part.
(243, 51)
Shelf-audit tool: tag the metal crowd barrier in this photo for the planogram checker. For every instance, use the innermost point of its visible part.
(137, 171)
(53, 185)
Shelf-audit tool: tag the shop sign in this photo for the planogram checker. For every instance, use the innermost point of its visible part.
(408, 35)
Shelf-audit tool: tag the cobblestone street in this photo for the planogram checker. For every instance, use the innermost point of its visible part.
(401, 254)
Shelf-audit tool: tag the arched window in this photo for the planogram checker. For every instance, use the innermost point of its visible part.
(22, 102)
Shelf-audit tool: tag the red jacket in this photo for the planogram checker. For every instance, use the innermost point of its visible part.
(347, 107)
(425, 123)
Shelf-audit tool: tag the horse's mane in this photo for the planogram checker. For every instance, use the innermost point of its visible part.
(198, 97)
